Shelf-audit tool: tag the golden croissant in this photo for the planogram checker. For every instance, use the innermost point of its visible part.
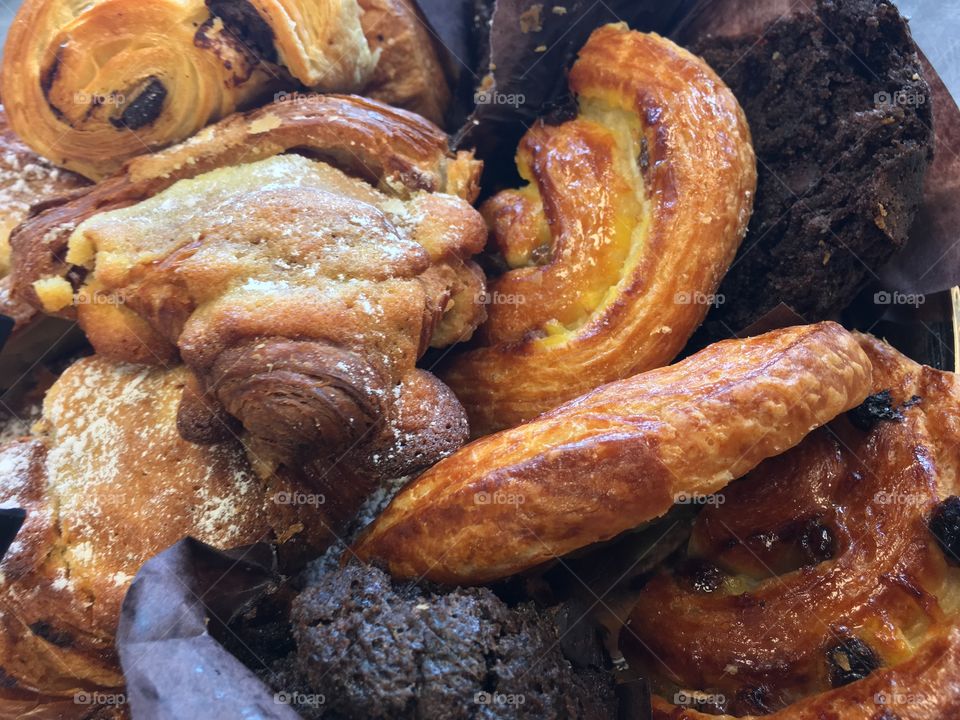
(824, 584)
(89, 85)
(301, 297)
(632, 214)
(617, 457)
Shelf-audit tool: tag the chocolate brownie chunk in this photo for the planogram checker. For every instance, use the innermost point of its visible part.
(841, 120)
(373, 648)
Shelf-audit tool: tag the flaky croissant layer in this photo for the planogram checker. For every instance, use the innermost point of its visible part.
(617, 457)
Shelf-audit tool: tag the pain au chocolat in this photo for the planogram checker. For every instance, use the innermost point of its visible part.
(89, 85)
(617, 457)
(825, 583)
(107, 482)
(632, 213)
(299, 259)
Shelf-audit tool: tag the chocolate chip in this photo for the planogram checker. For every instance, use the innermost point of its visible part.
(874, 409)
(754, 700)
(42, 629)
(704, 577)
(850, 660)
(144, 108)
(945, 526)
(245, 24)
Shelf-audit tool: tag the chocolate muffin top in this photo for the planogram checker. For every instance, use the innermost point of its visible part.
(374, 648)
(841, 118)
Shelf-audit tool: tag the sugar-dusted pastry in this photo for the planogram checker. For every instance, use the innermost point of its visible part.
(107, 482)
(633, 212)
(89, 85)
(617, 457)
(825, 583)
(299, 295)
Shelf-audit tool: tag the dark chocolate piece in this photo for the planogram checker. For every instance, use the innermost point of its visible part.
(850, 660)
(945, 526)
(144, 108)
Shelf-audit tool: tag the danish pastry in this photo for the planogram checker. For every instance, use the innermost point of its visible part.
(825, 583)
(633, 212)
(617, 457)
(107, 483)
(89, 85)
(300, 297)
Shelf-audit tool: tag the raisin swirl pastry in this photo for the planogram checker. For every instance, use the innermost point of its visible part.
(300, 296)
(633, 212)
(825, 584)
(107, 482)
(91, 84)
(617, 457)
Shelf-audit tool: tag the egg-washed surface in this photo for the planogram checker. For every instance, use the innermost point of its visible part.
(825, 582)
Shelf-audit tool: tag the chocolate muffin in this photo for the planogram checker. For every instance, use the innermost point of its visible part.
(841, 118)
(373, 648)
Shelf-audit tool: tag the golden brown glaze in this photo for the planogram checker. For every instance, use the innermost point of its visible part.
(300, 296)
(617, 457)
(633, 212)
(91, 84)
(107, 483)
(824, 547)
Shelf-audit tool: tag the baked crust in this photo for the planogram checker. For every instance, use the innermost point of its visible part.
(634, 211)
(824, 547)
(617, 457)
(107, 483)
(90, 85)
(300, 296)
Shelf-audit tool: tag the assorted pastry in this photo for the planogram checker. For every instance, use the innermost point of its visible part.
(513, 445)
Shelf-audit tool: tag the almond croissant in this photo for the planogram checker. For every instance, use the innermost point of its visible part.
(617, 457)
(300, 296)
(632, 215)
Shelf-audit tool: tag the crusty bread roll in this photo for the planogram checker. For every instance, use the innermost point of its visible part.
(107, 483)
(617, 457)
(632, 215)
(825, 583)
(89, 85)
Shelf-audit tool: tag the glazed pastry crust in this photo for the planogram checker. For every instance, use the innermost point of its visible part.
(883, 580)
(634, 211)
(107, 483)
(89, 85)
(617, 457)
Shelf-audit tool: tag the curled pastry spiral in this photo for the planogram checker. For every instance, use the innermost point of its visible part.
(823, 584)
(633, 212)
(90, 84)
(301, 296)
(617, 457)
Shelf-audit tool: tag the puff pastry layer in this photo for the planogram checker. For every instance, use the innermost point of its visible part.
(301, 296)
(633, 212)
(617, 457)
(89, 85)
(817, 589)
